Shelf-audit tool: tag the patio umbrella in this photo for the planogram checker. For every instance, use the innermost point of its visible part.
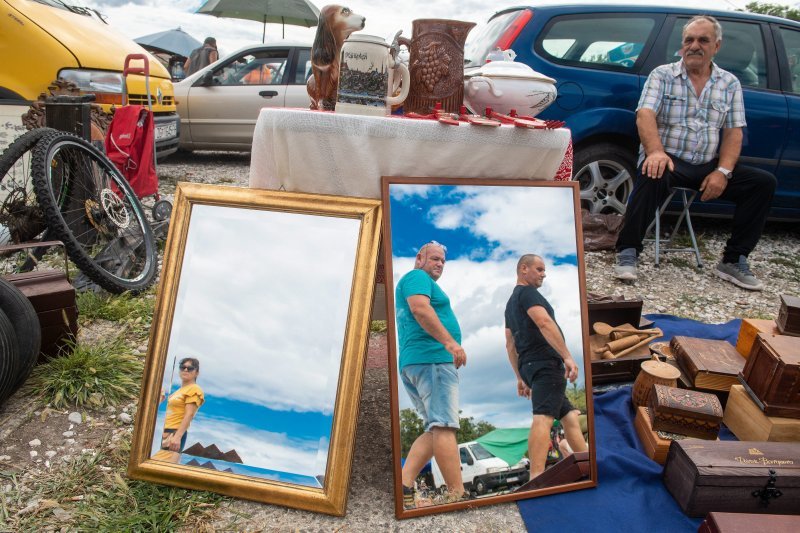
(174, 41)
(294, 12)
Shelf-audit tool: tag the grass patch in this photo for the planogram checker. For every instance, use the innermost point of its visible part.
(90, 376)
(135, 311)
(91, 493)
(377, 326)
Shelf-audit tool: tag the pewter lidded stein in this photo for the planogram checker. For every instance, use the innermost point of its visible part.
(436, 64)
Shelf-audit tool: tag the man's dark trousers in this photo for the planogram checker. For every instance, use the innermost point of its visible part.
(751, 189)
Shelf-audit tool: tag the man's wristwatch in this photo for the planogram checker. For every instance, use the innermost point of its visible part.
(725, 172)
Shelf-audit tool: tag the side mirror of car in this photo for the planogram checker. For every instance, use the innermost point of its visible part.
(206, 79)
(470, 460)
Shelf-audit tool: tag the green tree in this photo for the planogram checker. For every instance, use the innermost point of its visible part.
(470, 430)
(776, 10)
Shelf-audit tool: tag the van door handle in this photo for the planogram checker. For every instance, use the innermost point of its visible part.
(268, 94)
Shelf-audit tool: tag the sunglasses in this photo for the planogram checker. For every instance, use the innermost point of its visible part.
(435, 243)
(188, 368)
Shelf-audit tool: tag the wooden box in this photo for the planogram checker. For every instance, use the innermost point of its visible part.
(710, 364)
(749, 329)
(655, 446)
(614, 310)
(789, 315)
(570, 469)
(621, 369)
(748, 523)
(685, 412)
(746, 420)
(772, 375)
(733, 476)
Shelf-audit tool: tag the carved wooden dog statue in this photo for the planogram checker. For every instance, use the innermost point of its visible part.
(336, 23)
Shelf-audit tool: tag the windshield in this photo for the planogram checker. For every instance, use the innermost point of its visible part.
(482, 41)
(480, 452)
(75, 6)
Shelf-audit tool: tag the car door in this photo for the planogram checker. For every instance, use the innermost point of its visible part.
(296, 93)
(788, 172)
(224, 107)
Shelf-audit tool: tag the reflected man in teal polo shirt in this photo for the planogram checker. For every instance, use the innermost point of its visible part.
(430, 352)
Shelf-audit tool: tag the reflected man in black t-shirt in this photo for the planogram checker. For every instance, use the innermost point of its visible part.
(540, 359)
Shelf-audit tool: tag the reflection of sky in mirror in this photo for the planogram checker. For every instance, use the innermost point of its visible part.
(262, 303)
(486, 229)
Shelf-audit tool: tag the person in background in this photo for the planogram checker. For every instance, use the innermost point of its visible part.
(182, 405)
(201, 57)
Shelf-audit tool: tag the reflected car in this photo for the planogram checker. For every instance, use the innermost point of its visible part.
(219, 104)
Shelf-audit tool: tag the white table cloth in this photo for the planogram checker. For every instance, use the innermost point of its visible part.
(328, 153)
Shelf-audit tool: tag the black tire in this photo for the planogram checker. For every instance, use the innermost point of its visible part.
(9, 357)
(605, 172)
(21, 218)
(90, 206)
(25, 321)
(480, 487)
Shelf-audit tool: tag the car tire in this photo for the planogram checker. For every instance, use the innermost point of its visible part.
(605, 172)
(480, 487)
(22, 315)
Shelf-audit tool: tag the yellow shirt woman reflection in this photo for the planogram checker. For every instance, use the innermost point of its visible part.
(181, 408)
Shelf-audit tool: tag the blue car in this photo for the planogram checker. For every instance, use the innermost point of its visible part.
(601, 55)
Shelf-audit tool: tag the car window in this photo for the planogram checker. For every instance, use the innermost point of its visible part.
(741, 53)
(480, 452)
(303, 68)
(482, 40)
(791, 40)
(614, 41)
(254, 68)
(464, 455)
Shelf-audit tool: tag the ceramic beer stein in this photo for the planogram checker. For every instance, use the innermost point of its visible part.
(367, 77)
(436, 63)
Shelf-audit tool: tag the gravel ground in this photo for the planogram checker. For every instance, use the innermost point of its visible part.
(677, 287)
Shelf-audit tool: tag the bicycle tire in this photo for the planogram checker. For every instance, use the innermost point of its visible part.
(9, 358)
(20, 214)
(23, 317)
(92, 208)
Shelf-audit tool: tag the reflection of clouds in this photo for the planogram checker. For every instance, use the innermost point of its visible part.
(402, 192)
(259, 448)
(545, 218)
(479, 289)
(262, 303)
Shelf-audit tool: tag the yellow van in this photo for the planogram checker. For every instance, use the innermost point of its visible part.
(42, 40)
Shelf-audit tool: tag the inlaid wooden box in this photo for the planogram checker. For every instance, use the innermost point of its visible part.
(789, 315)
(772, 375)
(654, 445)
(748, 523)
(685, 412)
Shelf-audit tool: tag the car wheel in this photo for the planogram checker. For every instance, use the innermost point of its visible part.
(480, 487)
(605, 173)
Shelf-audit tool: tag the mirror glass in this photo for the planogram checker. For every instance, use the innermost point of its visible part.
(268, 358)
(258, 345)
(484, 230)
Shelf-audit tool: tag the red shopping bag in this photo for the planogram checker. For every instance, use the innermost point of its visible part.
(129, 145)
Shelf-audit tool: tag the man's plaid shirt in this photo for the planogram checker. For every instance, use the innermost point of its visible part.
(690, 126)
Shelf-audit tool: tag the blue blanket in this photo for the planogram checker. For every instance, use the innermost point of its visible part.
(630, 495)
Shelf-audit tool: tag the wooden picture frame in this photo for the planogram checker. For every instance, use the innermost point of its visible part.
(266, 289)
(490, 224)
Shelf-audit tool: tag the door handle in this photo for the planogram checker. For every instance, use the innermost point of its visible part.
(268, 94)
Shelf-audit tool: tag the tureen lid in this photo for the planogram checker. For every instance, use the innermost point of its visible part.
(510, 69)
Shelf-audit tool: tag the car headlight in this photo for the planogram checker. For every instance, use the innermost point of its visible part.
(94, 81)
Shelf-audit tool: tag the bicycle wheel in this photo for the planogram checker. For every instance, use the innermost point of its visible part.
(21, 218)
(92, 208)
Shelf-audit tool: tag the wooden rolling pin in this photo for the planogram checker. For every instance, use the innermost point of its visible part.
(621, 344)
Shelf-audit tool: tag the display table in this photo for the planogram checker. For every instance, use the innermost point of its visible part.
(328, 153)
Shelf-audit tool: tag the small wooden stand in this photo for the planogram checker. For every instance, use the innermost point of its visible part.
(744, 418)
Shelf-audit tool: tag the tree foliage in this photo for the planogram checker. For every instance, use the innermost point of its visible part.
(776, 10)
(411, 427)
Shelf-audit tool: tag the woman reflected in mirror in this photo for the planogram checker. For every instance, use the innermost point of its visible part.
(182, 405)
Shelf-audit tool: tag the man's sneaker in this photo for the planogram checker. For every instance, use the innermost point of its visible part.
(408, 498)
(739, 274)
(626, 264)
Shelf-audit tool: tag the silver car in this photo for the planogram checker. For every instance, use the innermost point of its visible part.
(219, 104)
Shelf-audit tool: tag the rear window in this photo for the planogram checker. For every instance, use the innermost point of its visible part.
(614, 41)
(482, 40)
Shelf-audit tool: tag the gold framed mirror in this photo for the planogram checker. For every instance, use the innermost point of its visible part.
(256, 354)
(456, 253)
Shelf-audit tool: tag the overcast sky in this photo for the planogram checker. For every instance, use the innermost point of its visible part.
(136, 18)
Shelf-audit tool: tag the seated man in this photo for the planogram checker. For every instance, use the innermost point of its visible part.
(260, 75)
(681, 111)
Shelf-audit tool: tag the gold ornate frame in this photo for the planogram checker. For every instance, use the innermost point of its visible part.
(331, 499)
(394, 379)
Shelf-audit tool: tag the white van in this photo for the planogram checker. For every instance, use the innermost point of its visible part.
(483, 472)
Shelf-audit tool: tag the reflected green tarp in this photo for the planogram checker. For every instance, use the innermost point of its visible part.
(509, 444)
